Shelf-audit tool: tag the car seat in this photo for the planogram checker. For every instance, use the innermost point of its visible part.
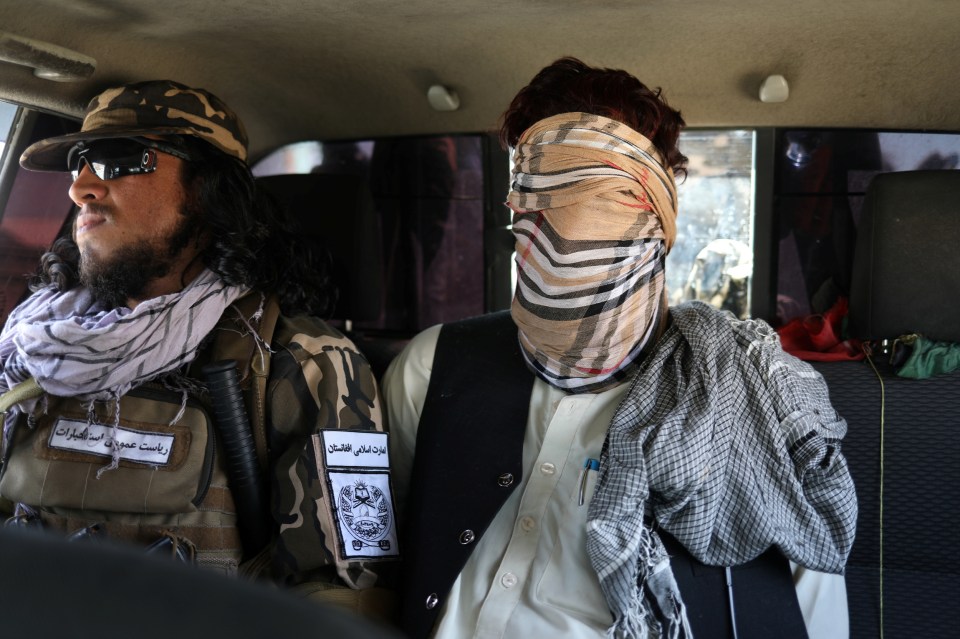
(336, 213)
(902, 442)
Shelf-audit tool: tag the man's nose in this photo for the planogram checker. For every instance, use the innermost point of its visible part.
(87, 186)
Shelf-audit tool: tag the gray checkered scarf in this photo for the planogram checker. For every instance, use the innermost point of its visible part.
(731, 446)
(75, 348)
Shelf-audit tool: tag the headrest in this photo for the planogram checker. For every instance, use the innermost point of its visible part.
(337, 213)
(906, 270)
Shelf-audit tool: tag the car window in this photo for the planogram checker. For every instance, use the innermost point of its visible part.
(712, 259)
(35, 209)
(426, 228)
(429, 200)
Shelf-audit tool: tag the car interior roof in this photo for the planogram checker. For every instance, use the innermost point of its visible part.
(326, 69)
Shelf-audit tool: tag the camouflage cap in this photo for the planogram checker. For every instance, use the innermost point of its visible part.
(158, 107)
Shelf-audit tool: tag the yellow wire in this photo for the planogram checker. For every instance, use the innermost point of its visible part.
(882, 427)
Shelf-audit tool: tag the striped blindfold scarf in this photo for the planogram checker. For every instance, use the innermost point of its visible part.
(595, 216)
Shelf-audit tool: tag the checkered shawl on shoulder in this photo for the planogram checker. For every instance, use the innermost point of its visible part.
(595, 215)
(730, 445)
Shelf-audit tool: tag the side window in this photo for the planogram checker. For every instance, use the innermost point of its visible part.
(712, 259)
(33, 206)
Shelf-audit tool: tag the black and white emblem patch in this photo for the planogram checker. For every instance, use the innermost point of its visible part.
(365, 512)
(356, 467)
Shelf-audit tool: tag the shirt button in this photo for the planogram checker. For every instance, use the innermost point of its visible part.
(547, 468)
(527, 523)
(467, 536)
(508, 580)
(432, 601)
(506, 479)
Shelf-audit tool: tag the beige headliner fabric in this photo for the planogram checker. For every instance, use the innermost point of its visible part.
(321, 69)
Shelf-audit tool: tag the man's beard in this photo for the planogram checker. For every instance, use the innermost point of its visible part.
(126, 273)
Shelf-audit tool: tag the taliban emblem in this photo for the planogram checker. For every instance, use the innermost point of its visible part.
(366, 514)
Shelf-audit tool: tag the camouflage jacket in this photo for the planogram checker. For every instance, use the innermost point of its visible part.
(318, 381)
(317, 384)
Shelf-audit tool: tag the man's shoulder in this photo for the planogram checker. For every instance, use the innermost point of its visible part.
(417, 354)
(315, 365)
(310, 333)
(702, 317)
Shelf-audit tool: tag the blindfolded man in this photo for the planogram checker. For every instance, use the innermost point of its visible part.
(592, 461)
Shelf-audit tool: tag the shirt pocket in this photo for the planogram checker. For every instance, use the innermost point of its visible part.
(569, 582)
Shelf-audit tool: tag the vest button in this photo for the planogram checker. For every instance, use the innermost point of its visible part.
(505, 479)
(432, 601)
(467, 537)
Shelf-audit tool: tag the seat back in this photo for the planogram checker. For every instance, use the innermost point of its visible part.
(337, 213)
(901, 443)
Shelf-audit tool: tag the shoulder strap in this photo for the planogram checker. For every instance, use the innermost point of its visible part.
(27, 389)
(233, 340)
(764, 600)
(468, 458)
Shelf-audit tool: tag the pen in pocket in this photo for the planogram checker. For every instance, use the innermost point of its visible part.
(589, 465)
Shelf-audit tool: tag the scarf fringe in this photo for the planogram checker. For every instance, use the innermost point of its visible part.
(637, 622)
(115, 450)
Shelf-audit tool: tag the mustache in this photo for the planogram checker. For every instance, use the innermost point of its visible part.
(94, 207)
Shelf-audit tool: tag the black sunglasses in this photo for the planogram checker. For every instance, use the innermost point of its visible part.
(118, 157)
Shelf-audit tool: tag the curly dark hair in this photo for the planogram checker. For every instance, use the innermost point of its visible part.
(569, 85)
(254, 243)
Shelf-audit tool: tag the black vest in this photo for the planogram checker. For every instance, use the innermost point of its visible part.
(477, 401)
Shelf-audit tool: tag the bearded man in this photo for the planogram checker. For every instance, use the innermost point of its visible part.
(112, 376)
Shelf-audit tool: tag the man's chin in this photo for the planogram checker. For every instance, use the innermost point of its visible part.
(114, 282)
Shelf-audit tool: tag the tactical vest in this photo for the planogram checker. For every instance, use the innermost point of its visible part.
(477, 400)
(171, 482)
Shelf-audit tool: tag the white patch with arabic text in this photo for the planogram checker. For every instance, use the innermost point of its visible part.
(97, 439)
(357, 469)
(355, 449)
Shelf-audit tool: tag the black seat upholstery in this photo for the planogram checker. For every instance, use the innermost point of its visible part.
(337, 212)
(110, 591)
(906, 279)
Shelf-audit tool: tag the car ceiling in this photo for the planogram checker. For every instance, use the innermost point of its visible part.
(350, 69)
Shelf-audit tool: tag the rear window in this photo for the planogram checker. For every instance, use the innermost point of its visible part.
(712, 259)
(442, 229)
(427, 228)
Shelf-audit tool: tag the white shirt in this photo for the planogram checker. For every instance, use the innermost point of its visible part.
(529, 575)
